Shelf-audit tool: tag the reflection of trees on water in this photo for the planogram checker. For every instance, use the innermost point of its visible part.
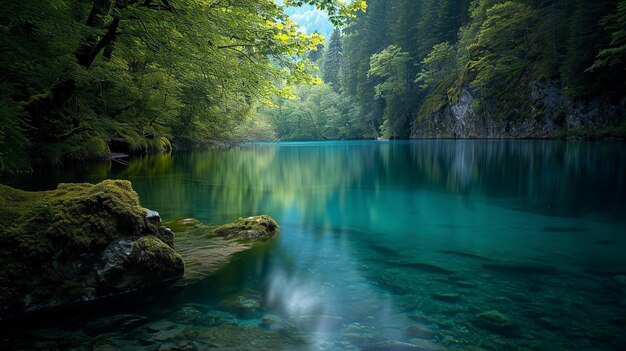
(316, 179)
(563, 178)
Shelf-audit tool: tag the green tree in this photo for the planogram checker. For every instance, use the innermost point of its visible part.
(333, 59)
(80, 77)
(503, 49)
(389, 67)
(613, 57)
(317, 113)
(586, 38)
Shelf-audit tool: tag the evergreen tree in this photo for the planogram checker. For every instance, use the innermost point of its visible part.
(613, 57)
(333, 60)
(587, 37)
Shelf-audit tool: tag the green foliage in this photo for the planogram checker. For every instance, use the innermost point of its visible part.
(613, 57)
(437, 66)
(254, 129)
(503, 51)
(332, 60)
(586, 38)
(493, 48)
(316, 113)
(390, 68)
(81, 77)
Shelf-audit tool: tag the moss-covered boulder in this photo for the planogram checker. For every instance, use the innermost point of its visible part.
(208, 248)
(250, 228)
(80, 242)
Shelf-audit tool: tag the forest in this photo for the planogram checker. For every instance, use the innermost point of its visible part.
(84, 78)
(404, 66)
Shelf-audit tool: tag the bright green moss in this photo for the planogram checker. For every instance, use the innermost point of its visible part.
(259, 227)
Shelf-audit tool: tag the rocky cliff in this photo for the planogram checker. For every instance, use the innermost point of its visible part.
(546, 112)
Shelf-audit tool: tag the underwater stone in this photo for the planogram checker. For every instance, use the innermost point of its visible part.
(446, 297)
(317, 322)
(203, 252)
(419, 332)
(242, 306)
(421, 266)
(425, 345)
(160, 325)
(118, 322)
(496, 322)
(257, 227)
(393, 345)
(620, 279)
(189, 315)
(520, 268)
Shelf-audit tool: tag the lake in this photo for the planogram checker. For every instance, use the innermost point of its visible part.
(421, 245)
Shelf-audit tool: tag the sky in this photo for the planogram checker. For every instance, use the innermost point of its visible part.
(310, 19)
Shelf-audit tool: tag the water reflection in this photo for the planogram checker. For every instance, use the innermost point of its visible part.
(314, 179)
(409, 242)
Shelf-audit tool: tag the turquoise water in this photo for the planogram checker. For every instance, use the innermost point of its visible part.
(425, 245)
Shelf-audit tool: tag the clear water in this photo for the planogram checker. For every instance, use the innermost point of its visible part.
(383, 246)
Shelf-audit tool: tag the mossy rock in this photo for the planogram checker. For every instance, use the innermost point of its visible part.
(53, 244)
(250, 228)
(208, 248)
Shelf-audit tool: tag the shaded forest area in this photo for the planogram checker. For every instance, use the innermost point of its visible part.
(84, 78)
(469, 68)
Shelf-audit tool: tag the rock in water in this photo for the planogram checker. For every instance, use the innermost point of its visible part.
(258, 227)
(125, 263)
(80, 242)
(496, 322)
(419, 332)
(206, 248)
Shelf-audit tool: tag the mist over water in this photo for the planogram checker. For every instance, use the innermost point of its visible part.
(457, 245)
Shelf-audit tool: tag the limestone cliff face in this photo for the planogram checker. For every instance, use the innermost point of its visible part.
(547, 113)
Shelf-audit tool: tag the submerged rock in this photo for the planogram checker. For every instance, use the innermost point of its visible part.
(520, 268)
(421, 266)
(620, 279)
(446, 297)
(258, 227)
(418, 331)
(393, 345)
(496, 322)
(80, 242)
(114, 323)
(318, 323)
(207, 248)
(243, 306)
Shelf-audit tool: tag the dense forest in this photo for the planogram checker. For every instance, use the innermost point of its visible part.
(84, 78)
(462, 68)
